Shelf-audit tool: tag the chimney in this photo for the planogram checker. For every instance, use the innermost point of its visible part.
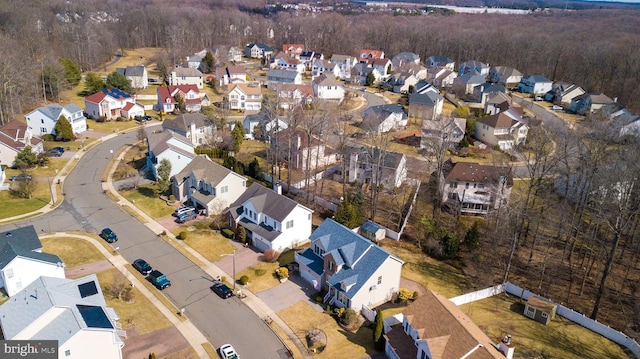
(278, 188)
(506, 347)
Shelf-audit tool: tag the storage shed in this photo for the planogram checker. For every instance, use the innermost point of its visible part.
(372, 231)
(540, 310)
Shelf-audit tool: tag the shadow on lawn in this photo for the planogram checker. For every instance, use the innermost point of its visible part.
(363, 338)
(147, 192)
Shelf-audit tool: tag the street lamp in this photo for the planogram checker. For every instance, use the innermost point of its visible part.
(234, 266)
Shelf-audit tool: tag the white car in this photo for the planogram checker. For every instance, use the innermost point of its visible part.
(228, 352)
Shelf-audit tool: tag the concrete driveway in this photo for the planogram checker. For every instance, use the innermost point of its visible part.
(289, 293)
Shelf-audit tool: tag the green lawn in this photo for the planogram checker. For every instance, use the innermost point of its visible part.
(113, 126)
(147, 199)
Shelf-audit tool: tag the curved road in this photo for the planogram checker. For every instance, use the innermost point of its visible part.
(87, 209)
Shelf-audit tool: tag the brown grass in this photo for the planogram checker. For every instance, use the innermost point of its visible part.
(209, 243)
(186, 353)
(260, 283)
(73, 251)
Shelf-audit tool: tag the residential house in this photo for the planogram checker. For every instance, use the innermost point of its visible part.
(537, 85)
(384, 118)
(628, 123)
(383, 67)
(366, 55)
(483, 91)
(230, 75)
(257, 51)
(352, 270)
(22, 261)
(405, 58)
(589, 103)
(301, 150)
(194, 126)
(372, 231)
(326, 87)
(271, 220)
(186, 76)
(562, 93)
(465, 84)
(419, 71)
(442, 78)
(440, 61)
(170, 97)
(309, 57)
(345, 64)
(43, 120)
(540, 310)
(496, 102)
(290, 64)
(401, 82)
(72, 312)
(276, 77)
(196, 61)
(360, 72)
(15, 136)
(501, 130)
(137, 76)
(262, 125)
(473, 66)
(473, 188)
(367, 164)
(434, 327)
(207, 185)
(293, 50)
(320, 67)
(423, 86)
(506, 76)
(427, 106)
(110, 103)
(442, 133)
(171, 146)
(292, 95)
(234, 54)
(243, 97)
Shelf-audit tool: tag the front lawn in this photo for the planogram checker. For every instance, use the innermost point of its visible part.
(73, 251)
(146, 198)
(260, 282)
(208, 242)
(14, 204)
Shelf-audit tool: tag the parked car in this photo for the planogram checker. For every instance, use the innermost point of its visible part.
(20, 177)
(187, 216)
(222, 290)
(158, 279)
(142, 266)
(228, 352)
(108, 235)
(556, 107)
(53, 153)
(58, 149)
(184, 209)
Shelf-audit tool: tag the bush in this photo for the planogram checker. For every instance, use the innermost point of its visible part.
(282, 272)
(183, 235)
(227, 233)
(271, 255)
(415, 295)
(318, 299)
(49, 137)
(260, 272)
(404, 295)
(244, 279)
(172, 197)
(223, 279)
(350, 317)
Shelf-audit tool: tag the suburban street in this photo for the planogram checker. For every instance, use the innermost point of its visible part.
(87, 209)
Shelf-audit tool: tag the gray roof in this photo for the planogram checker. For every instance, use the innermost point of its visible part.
(385, 109)
(326, 79)
(131, 70)
(81, 309)
(407, 56)
(429, 98)
(158, 142)
(204, 169)
(341, 58)
(186, 72)
(53, 111)
(276, 74)
(182, 122)
(23, 242)
(266, 201)
(506, 71)
(440, 59)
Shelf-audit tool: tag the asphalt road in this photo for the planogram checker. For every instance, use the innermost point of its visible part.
(87, 209)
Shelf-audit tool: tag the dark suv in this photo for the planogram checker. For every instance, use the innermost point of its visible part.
(142, 266)
(108, 235)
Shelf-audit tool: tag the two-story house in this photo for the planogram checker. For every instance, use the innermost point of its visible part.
(401, 82)
(186, 76)
(441, 76)
(15, 136)
(483, 91)
(289, 63)
(354, 271)
(111, 104)
(275, 77)
(177, 149)
(301, 150)
(434, 327)
(587, 103)
(292, 95)
(473, 66)
(72, 313)
(43, 120)
(562, 93)
(293, 50)
(320, 67)
(326, 87)
(137, 76)
(426, 106)
(366, 55)
(207, 185)
(404, 58)
(170, 98)
(200, 129)
(501, 130)
(22, 260)
(245, 98)
(442, 133)
(271, 220)
(535, 84)
(465, 84)
(369, 165)
(383, 118)
(345, 64)
(440, 61)
(473, 188)
(262, 125)
(257, 51)
(506, 76)
(231, 75)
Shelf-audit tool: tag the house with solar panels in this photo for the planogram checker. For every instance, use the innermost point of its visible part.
(111, 104)
(71, 312)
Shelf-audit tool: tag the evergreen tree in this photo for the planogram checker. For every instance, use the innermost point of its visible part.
(93, 83)
(63, 130)
(164, 175)
(472, 238)
(119, 81)
(378, 331)
(254, 169)
(208, 63)
(181, 104)
(349, 213)
(371, 79)
(237, 134)
(242, 234)
(26, 158)
(72, 72)
(450, 245)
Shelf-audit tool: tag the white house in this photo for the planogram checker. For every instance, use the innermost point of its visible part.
(186, 76)
(386, 167)
(426, 106)
(440, 61)
(535, 84)
(473, 66)
(467, 82)
(289, 63)
(368, 54)
(168, 145)
(473, 188)
(137, 76)
(319, 67)
(15, 136)
(22, 260)
(208, 185)
(43, 120)
(384, 118)
(345, 64)
(506, 76)
(109, 104)
(71, 312)
(194, 126)
(352, 270)
(262, 125)
(292, 95)
(169, 98)
(326, 87)
(301, 150)
(257, 51)
(403, 58)
(501, 130)
(231, 75)
(563, 93)
(276, 77)
(271, 220)
(244, 97)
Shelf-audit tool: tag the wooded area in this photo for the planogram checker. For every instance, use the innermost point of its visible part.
(580, 247)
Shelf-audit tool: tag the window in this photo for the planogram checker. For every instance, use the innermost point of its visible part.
(380, 280)
(10, 273)
(309, 216)
(43, 130)
(67, 352)
(453, 185)
(224, 189)
(480, 185)
(545, 315)
(331, 266)
(467, 185)
(42, 121)
(289, 224)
